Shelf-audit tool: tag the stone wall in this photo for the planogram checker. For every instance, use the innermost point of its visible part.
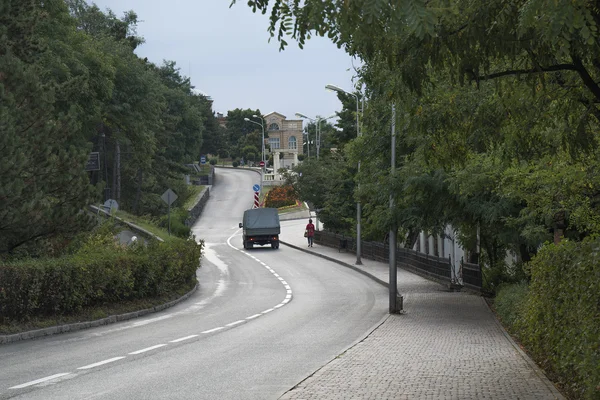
(196, 210)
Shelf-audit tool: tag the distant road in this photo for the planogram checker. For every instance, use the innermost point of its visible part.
(258, 325)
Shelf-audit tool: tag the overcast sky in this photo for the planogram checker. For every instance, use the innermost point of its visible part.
(226, 53)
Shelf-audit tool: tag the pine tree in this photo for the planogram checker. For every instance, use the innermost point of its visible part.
(43, 183)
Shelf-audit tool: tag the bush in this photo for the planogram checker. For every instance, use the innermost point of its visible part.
(281, 196)
(178, 227)
(301, 157)
(213, 161)
(101, 272)
(510, 302)
(235, 163)
(561, 318)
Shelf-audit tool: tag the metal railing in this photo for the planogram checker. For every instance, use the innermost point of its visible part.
(436, 267)
(470, 275)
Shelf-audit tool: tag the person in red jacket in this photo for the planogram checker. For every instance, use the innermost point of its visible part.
(310, 232)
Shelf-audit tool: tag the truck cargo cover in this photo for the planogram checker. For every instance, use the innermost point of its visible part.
(262, 221)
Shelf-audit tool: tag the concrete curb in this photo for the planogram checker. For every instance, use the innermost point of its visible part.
(538, 371)
(77, 326)
(384, 283)
(357, 341)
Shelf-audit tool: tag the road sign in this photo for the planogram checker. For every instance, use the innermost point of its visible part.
(169, 196)
(93, 162)
(262, 163)
(202, 160)
(110, 205)
(256, 188)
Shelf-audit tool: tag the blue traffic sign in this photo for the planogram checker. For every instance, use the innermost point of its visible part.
(256, 188)
(202, 160)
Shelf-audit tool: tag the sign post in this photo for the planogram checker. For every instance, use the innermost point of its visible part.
(169, 197)
(256, 189)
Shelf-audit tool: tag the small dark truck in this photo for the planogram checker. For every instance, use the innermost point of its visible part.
(261, 226)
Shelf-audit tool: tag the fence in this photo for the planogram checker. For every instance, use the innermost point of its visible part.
(423, 264)
(471, 275)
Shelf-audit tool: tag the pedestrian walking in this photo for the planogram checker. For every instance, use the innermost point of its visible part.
(309, 232)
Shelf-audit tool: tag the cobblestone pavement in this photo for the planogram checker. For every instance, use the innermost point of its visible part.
(446, 345)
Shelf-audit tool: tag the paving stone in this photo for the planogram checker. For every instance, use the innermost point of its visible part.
(446, 345)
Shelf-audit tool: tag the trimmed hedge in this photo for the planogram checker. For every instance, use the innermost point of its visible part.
(510, 303)
(102, 272)
(560, 321)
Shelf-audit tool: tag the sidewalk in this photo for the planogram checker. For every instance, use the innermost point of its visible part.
(446, 345)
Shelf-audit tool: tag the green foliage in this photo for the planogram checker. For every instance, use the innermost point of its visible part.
(327, 186)
(100, 272)
(43, 185)
(235, 163)
(213, 161)
(561, 320)
(178, 227)
(238, 127)
(70, 84)
(509, 303)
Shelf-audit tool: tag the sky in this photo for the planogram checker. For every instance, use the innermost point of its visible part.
(226, 53)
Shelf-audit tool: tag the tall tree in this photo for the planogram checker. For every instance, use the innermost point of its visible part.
(43, 183)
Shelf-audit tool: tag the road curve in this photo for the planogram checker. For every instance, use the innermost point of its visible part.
(261, 321)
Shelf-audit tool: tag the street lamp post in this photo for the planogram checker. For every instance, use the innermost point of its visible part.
(317, 123)
(263, 136)
(319, 132)
(262, 169)
(358, 207)
(395, 301)
(299, 115)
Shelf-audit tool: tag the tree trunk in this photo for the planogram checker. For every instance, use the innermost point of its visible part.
(138, 193)
(117, 191)
(411, 238)
(559, 226)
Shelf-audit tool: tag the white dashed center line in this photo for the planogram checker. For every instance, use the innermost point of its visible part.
(286, 300)
(183, 338)
(214, 330)
(102, 363)
(147, 349)
(41, 380)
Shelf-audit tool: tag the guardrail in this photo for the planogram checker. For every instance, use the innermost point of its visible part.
(137, 229)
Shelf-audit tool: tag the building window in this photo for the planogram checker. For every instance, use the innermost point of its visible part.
(274, 143)
(292, 144)
(273, 127)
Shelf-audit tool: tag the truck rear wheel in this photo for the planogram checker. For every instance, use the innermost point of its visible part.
(275, 245)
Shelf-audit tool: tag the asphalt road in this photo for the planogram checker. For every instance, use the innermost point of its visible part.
(262, 321)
